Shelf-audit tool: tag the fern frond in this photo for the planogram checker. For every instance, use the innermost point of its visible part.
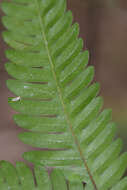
(59, 106)
(22, 178)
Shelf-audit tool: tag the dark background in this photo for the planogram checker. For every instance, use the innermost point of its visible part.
(103, 25)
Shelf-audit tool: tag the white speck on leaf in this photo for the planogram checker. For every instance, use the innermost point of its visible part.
(25, 86)
(16, 99)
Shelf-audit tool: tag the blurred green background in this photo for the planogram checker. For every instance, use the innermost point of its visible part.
(103, 26)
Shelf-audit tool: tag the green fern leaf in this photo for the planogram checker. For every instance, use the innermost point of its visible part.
(57, 104)
(21, 178)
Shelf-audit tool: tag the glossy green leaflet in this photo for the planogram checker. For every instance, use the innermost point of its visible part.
(58, 105)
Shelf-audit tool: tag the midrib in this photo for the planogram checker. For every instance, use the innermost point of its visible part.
(61, 98)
